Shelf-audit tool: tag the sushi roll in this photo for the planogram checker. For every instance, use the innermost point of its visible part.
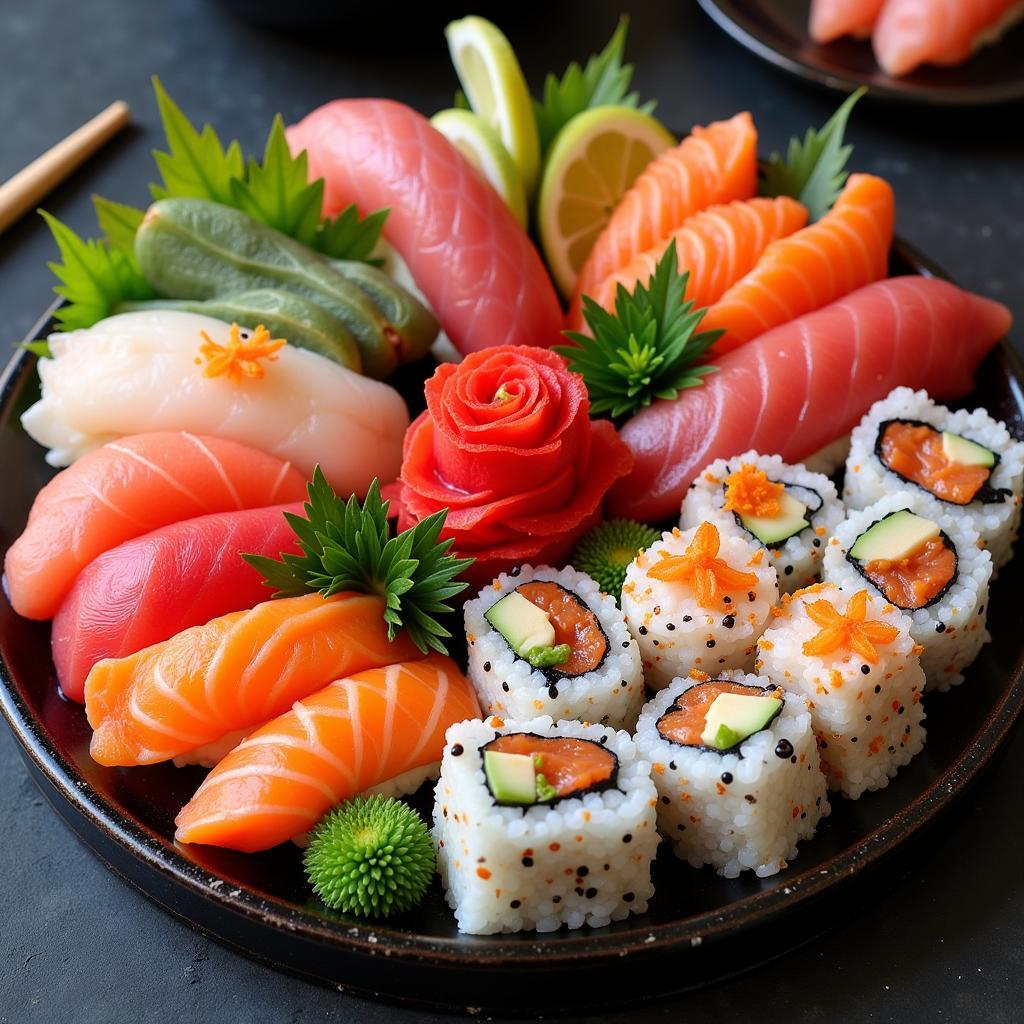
(965, 459)
(547, 641)
(736, 768)
(698, 599)
(850, 653)
(927, 560)
(786, 509)
(540, 825)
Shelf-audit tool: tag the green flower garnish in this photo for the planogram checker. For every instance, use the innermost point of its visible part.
(346, 546)
(646, 349)
(547, 657)
(371, 857)
(605, 552)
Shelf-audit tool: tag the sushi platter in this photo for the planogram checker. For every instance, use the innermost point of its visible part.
(477, 616)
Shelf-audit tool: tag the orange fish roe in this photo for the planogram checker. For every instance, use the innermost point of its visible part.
(847, 632)
(701, 567)
(749, 492)
(240, 357)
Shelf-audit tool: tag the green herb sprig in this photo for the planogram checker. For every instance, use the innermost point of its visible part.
(346, 546)
(646, 349)
(814, 170)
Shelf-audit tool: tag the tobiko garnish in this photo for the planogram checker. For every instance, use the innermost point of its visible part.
(507, 445)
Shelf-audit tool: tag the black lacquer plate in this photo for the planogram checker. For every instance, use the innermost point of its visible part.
(700, 927)
(776, 31)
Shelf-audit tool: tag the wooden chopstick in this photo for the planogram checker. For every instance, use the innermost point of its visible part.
(21, 193)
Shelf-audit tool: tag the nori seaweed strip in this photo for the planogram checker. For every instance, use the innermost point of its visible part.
(811, 512)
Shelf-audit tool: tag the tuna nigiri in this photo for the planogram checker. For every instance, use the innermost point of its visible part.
(831, 19)
(909, 33)
(171, 370)
(353, 735)
(713, 165)
(480, 273)
(235, 672)
(148, 589)
(845, 250)
(125, 489)
(716, 246)
(801, 386)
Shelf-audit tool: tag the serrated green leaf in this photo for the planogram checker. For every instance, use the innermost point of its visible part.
(39, 348)
(813, 171)
(118, 223)
(349, 237)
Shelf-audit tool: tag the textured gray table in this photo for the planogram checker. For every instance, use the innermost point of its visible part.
(76, 943)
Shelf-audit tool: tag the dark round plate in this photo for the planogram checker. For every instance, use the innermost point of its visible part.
(776, 31)
(700, 927)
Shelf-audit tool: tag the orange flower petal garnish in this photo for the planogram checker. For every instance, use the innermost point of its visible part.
(749, 492)
(701, 567)
(849, 631)
(240, 357)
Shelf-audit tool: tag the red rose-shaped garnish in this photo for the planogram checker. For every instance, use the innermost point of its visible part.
(507, 445)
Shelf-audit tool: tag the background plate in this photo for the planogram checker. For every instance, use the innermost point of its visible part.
(700, 927)
(776, 31)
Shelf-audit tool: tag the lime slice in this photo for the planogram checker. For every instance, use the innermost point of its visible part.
(493, 82)
(592, 162)
(479, 143)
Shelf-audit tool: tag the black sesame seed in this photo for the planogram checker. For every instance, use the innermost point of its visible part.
(457, 750)
(822, 744)
(687, 618)
(901, 710)
(751, 596)
(556, 899)
(672, 765)
(583, 871)
(680, 828)
(591, 893)
(625, 643)
(803, 814)
(783, 749)
(515, 904)
(553, 692)
(792, 760)
(878, 689)
(727, 777)
(711, 643)
(892, 750)
(625, 683)
(726, 600)
(940, 627)
(750, 798)
(515, 571)
(657, 609)
(728, 622)
(527, 862)
(656, 644)
(772, 686)
(627, 838)
(853, 739)
(487, 666)
(579, 890)
(628, 897)
(866, 669)
(504, 686)
(670, 626)
(642, 630)
(665, 800)
(788, 570)
(603, 739)
(721, 661)
(867, 718)
(607, 867)
(816, 542)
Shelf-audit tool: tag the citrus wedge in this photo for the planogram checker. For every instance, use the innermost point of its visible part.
(481, 145)
(591, 164)
(496, 89)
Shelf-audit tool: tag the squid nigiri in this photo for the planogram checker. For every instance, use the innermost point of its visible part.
(172, 370)
(126, 489)
(382, 726)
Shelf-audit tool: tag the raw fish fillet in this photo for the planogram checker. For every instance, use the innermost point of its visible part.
(350, 736)
(148, 589)
(845, 250)
(138, 371)
(481, 274)
(235, 672)
(713, 165)
(801, 386)
(909, 33)
(832, 19)
(717, 246)
(125, 489)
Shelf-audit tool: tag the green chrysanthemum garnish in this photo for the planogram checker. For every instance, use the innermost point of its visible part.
(605, 552)
(346, 546)
(371, 857)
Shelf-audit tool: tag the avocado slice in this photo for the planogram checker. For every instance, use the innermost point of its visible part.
(733, 717)
(792, 518)
(528, 630)
(966, 452)
(511, 777)
(896, 536)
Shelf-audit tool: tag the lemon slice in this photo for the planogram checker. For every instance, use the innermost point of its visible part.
(479, 143)
(592, 162)
(496, 89)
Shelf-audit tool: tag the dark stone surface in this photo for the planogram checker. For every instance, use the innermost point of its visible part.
(75, 942)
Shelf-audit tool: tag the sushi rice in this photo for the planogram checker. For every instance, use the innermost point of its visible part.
(867, 717)
(951, 630)
(506, 684)
(675, 633)
(744, 809)
(796, 560)
(582, 860)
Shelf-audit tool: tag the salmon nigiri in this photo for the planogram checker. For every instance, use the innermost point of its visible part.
(150, 588)
(125, 489)
(716, 246)
(713, 165)
(353, 735)
(832, 19)
(909, 33)
(802, 385)
(845, 250)
(234, 673)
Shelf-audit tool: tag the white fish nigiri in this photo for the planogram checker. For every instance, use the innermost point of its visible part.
(146, 371)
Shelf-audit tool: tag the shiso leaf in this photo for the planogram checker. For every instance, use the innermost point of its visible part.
(604, 81)
(646, 349)
(118, 222)
(813, 171)
(350, 237)
(605, 552)
(372, 857)
(347, 546)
